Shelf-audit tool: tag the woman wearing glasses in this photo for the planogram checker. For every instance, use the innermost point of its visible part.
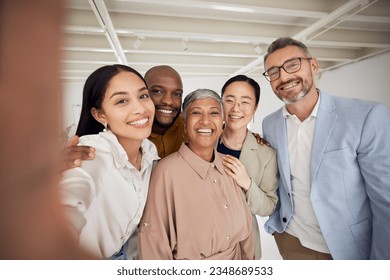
(251, 165)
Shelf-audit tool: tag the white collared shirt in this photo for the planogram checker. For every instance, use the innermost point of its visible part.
(105, 197)
(304, 224)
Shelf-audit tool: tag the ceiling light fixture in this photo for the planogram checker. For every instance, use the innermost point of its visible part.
(257, 49)
(184, 44)
(233, 8)
(137, 43)
(100, 10)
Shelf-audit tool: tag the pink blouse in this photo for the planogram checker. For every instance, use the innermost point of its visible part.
(194, 211)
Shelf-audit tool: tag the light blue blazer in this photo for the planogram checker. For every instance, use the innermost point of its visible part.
(349, 173)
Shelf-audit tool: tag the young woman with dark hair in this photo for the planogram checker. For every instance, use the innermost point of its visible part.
(251, 165)
(105, 197)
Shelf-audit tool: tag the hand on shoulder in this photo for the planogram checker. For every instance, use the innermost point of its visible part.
(260, 141)
(73, 155)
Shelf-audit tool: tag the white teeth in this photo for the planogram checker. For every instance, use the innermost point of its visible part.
(235, 117)
(139, 122)
(164, 111)
(290, 86)
(204, 130)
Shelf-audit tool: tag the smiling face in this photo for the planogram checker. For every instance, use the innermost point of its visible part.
(239, 103)
(127, 107)
(203, 125)
(291, 88)
(166, 89)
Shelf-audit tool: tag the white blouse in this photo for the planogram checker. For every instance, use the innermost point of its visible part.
(105, 197)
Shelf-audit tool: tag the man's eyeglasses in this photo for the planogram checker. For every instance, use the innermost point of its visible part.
(290, 66)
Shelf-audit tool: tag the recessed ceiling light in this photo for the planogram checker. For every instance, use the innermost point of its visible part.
(233, 9)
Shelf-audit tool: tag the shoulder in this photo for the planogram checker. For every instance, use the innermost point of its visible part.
(167, 173)
(104, 157)
(94, 140)
(170, 162)
(351, 105)
(267, 152)
(262, 150)
(345, 101)
(271, 117)
(150, 148)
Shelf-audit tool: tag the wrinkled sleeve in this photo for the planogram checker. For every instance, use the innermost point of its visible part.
(263, 198)
(374, 162)
(157, 236)
(77, 190)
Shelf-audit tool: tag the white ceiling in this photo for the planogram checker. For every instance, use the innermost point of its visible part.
(219, 37)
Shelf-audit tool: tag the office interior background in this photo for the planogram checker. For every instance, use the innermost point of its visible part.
(209, 41)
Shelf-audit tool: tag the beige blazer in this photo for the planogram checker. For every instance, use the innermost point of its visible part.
(260, 163)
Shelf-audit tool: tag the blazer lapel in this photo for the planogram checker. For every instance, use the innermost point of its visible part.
(326, 119)
(282, 150)
(248, 146)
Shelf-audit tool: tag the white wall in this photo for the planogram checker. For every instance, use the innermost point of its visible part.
(72, 99)
(366, 79)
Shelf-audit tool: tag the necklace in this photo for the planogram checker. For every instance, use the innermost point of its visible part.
(136, 159)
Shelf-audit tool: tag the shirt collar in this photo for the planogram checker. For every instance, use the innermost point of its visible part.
(149, 151)
(199, 165)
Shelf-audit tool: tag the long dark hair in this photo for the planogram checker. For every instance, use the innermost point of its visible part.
(93, 94)
(243, 78)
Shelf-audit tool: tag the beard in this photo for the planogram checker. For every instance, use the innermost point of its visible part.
(165, 125)
(306, 88)
(298, 97)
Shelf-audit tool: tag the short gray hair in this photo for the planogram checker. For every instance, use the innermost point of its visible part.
(285, 42)
(201, 93)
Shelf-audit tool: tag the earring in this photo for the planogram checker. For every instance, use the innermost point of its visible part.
(105, 126)
(185, 137)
